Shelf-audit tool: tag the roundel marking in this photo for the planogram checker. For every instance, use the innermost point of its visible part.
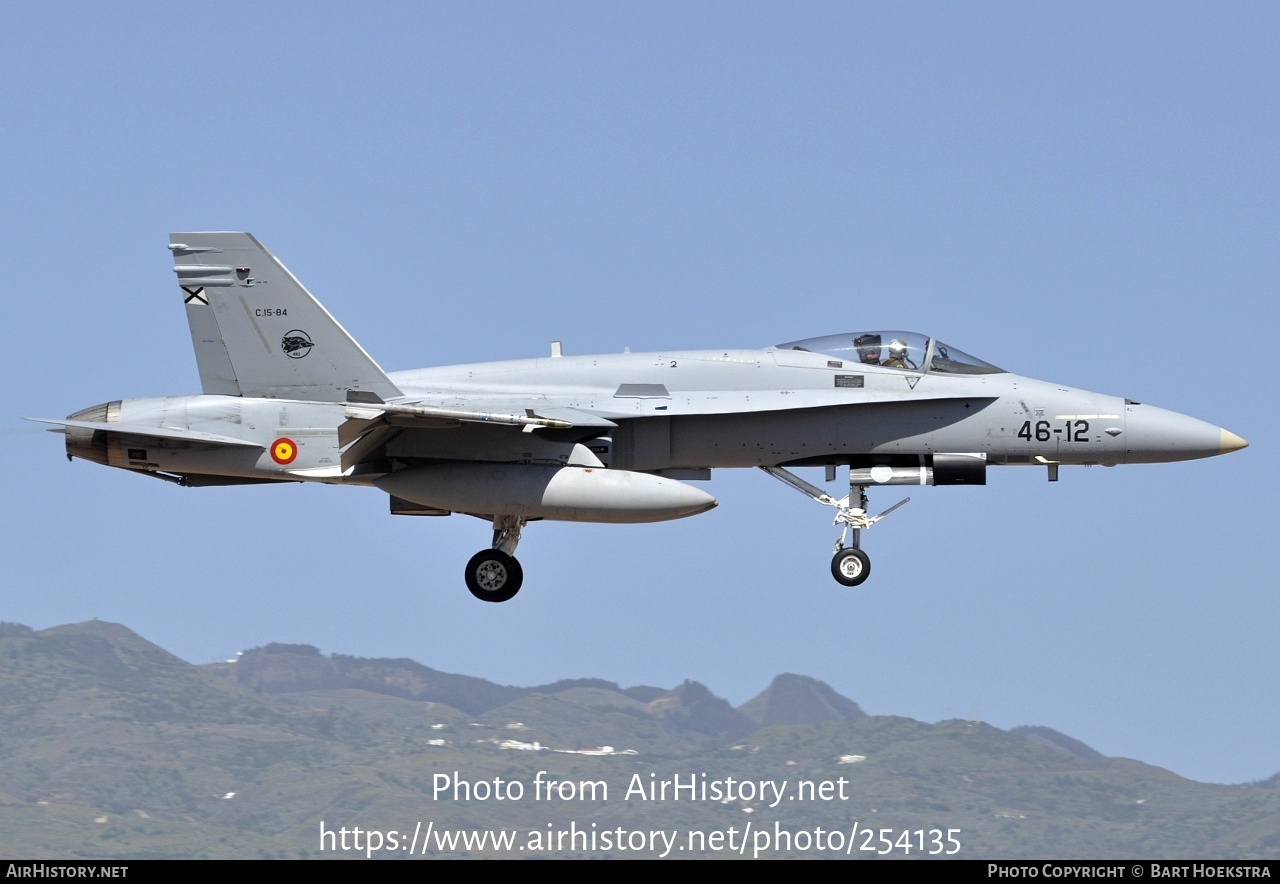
(284, 451)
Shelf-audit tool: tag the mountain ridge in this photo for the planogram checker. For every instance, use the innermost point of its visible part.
(113, 747)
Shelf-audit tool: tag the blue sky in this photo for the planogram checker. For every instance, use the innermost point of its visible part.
(1085, 193)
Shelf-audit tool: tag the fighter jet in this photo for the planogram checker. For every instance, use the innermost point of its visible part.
(289, 396)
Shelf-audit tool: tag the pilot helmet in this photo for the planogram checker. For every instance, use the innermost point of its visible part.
(868, 347)
(898, 349)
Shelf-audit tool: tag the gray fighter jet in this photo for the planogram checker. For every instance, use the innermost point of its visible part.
(290, 396)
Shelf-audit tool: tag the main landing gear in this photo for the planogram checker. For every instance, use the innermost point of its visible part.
(494, 575)
(850, 565)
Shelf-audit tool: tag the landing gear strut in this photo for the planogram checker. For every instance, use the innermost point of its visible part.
(850, 565)
(494, 575)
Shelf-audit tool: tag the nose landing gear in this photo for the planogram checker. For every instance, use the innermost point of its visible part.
(850, 565)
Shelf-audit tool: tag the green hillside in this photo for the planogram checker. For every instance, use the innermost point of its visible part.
(111, 747)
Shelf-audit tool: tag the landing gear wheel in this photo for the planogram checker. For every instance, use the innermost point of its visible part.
(851, 566)
(494, 576)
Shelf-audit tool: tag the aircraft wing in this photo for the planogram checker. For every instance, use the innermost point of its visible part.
(369, 425)
(589, 408)
(151, 432)
(565, 412)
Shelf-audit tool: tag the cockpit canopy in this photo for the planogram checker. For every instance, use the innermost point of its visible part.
(907, 351)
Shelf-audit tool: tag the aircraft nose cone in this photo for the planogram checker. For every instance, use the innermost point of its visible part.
(1155, 435)
(1231, 442)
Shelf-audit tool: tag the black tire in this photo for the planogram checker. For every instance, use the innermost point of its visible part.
(851, 566)
(494, 576)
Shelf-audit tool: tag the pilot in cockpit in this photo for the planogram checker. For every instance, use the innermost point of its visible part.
(898, 356)
(868, 347)
(869, 351)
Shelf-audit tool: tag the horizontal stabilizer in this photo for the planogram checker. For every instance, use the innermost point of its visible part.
(151, 432)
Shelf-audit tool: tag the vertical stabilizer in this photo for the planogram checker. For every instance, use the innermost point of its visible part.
(258, 332)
